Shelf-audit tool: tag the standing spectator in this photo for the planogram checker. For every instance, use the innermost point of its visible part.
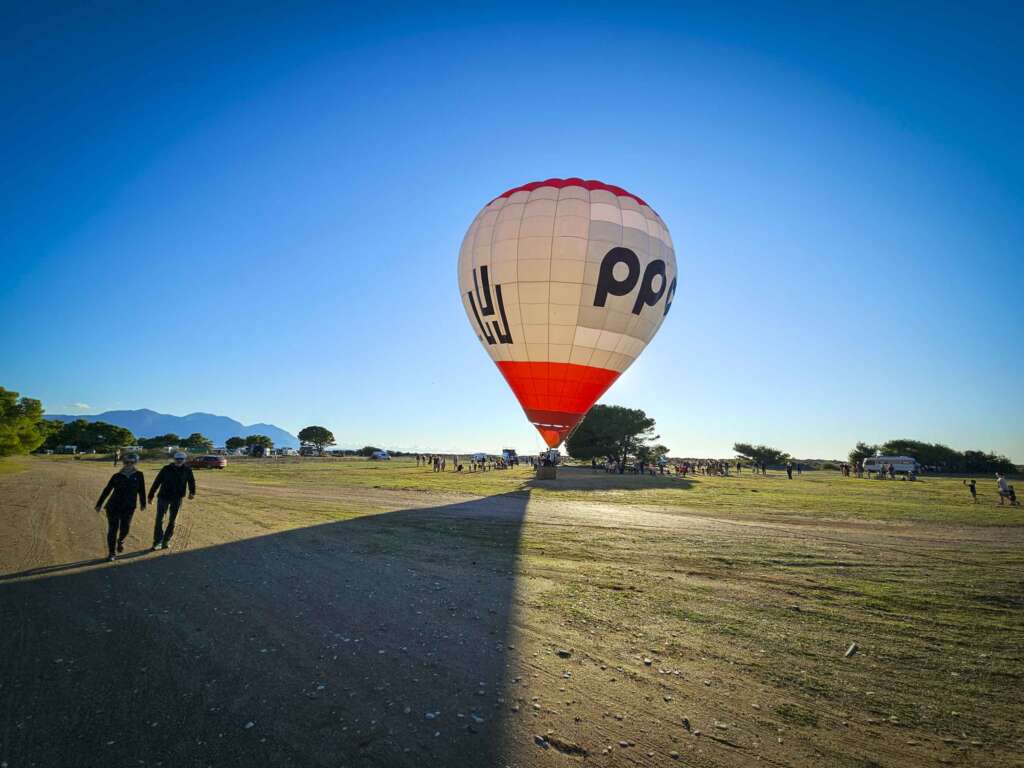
(1004, 488)
(789, 470)
(171, 482)
(123, 488)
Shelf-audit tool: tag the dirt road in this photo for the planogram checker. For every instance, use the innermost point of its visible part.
(463, 631)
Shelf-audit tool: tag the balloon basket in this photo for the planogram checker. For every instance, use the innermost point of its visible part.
(546, 473)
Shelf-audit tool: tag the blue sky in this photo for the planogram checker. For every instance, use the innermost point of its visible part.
(256, 211)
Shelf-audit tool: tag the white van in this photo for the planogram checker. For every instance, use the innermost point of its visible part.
(380, 456)
(903, 464)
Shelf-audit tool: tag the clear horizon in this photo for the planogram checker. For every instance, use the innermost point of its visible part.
(259, 215)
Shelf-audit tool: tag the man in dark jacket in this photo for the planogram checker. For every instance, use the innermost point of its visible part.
(171, 482)
(124, 488)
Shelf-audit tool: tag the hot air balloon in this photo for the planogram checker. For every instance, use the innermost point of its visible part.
(565, 281)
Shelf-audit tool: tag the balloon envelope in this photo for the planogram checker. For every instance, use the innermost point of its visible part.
(565, 281)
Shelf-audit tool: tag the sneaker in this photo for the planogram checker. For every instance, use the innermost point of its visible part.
(155, 547)
(111, 557)
(166, 545)
(120, 546)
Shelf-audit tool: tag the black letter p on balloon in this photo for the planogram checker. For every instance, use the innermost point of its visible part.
(648, 295)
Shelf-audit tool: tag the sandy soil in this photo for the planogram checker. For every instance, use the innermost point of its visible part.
(463, 631)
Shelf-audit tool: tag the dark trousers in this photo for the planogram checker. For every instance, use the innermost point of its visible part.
(162, 506)
(118, 524)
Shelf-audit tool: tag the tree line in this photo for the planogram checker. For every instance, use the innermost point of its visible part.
(941, 457)
(621, 434)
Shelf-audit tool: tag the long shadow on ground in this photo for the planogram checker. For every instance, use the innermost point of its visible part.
(379, 641)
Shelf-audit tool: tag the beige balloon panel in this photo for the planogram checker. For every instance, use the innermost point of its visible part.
(545, 248)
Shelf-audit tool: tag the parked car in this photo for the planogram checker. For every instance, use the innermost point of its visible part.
(380, 456)
(209, 462)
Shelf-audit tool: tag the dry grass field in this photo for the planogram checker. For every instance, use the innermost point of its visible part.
(353, 613)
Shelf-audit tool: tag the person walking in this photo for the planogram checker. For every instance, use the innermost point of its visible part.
(1004, 488)
(789, 470)
(124, 488)
(973, 488)
(171, 481)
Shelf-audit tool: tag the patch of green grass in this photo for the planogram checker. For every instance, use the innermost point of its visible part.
(10, 465)
(796, 715)
(822, 495)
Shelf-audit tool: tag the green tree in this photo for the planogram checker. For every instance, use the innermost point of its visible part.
(862, 451)
(977, 462)
(651, 453)
(928, 454)
(234, 443)
(19, 423)
(611, 432)
(318, 437)
(161, 441)
(90, 436)
(760, 454)
(50, 429)
(367, 450)
(261, 440)
(198, 443)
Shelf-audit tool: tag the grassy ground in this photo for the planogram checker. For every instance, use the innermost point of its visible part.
(10, 466)
(824, 495)
(743, 592)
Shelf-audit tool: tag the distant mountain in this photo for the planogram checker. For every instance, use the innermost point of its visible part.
(147, 423)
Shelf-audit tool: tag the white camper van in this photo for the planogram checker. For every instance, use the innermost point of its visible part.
(901, 464)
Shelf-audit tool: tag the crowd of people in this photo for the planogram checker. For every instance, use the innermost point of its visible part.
(439, 462)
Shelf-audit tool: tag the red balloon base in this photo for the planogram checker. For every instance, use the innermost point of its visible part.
(556, 396)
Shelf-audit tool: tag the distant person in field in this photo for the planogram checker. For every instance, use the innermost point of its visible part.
(973, 488)
(171, 482)
(1006, 491)
(789, 470)
(117, 457)
(124, 489)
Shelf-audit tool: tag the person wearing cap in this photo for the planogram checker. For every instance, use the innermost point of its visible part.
(171, 481)
(123, 489)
